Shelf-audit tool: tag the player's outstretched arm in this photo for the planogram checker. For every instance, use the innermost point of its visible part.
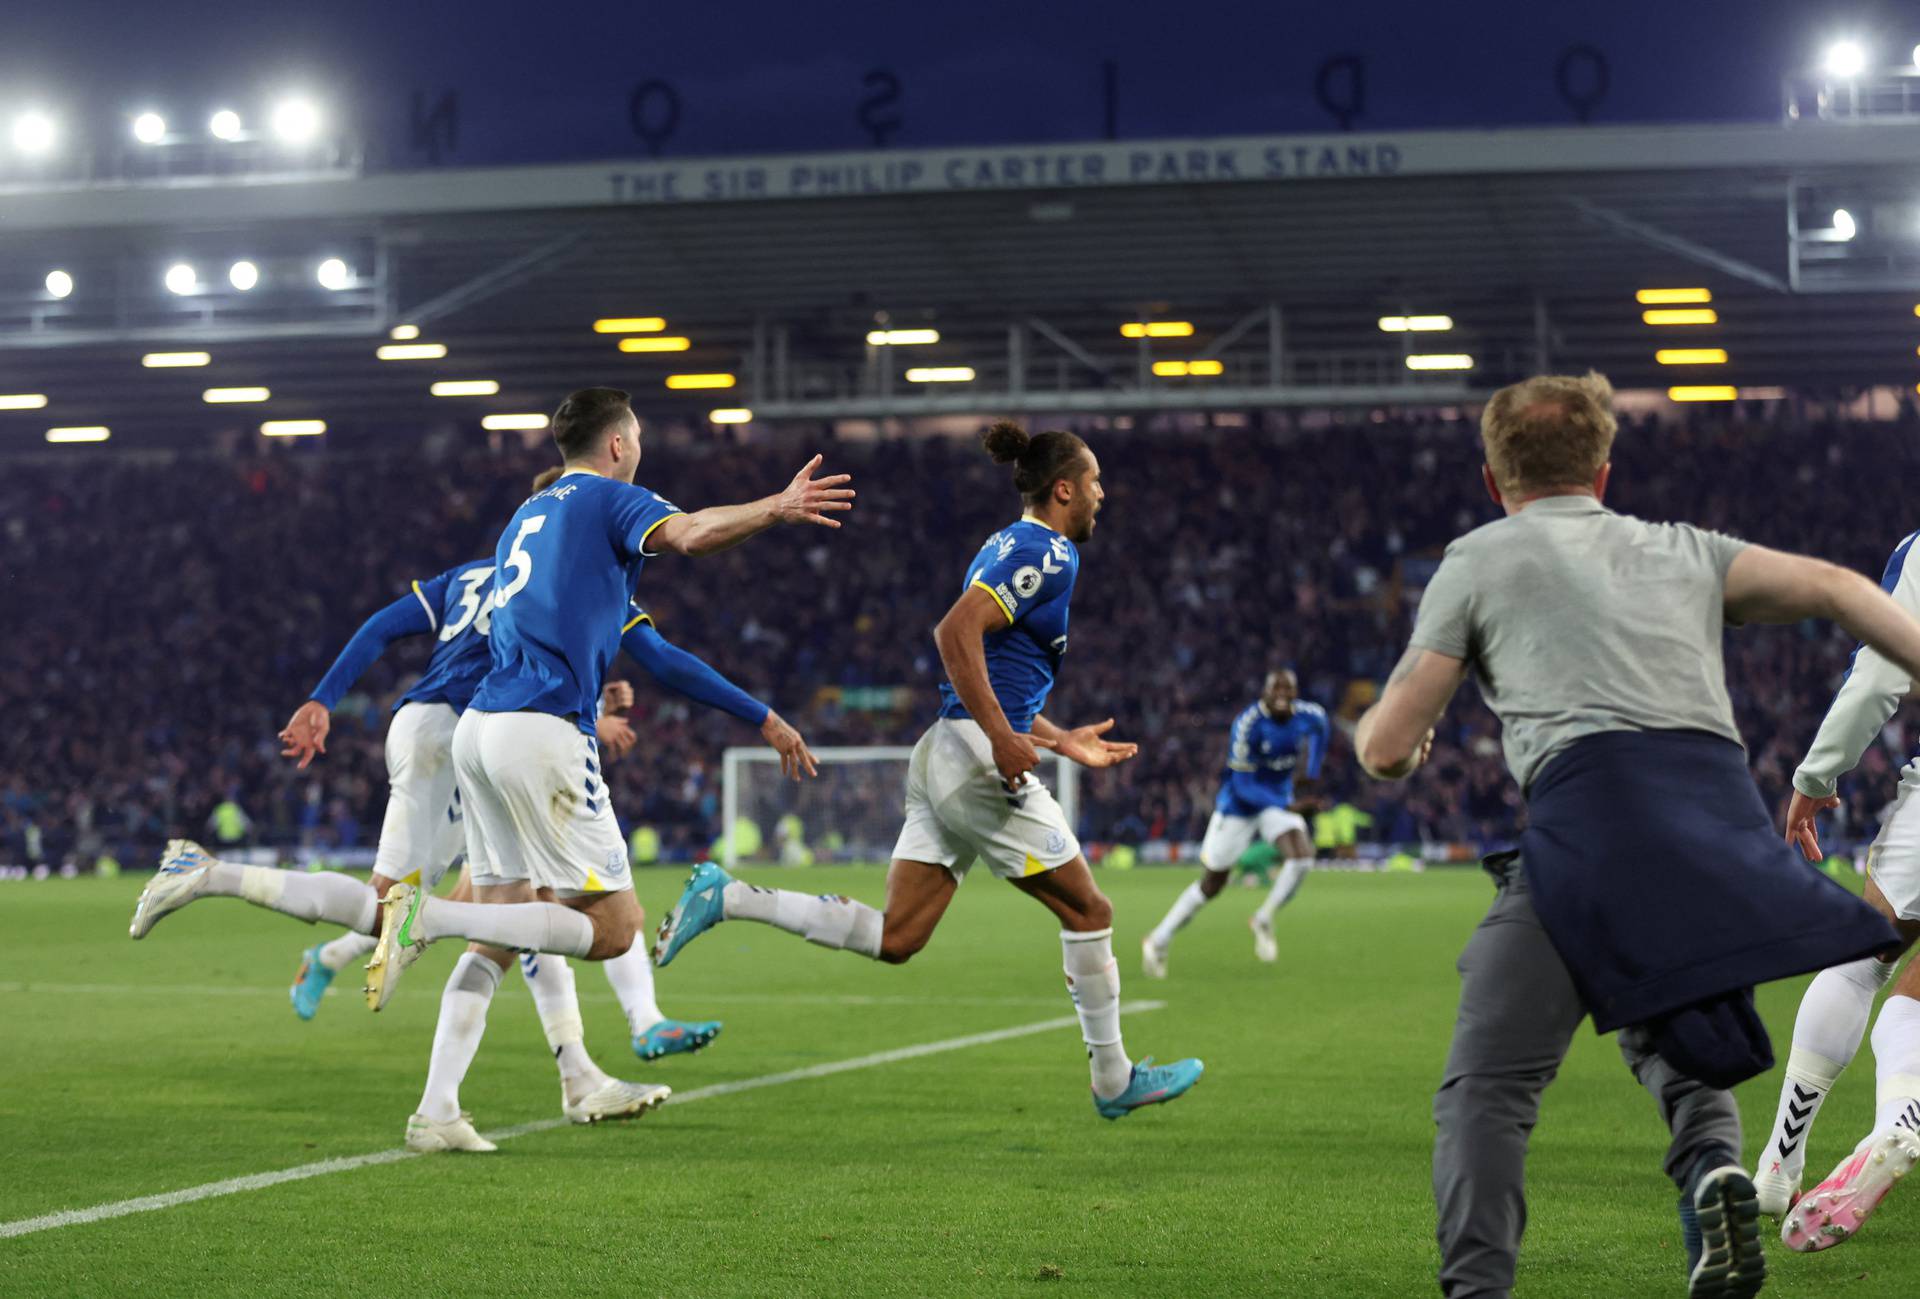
(305, 733)
(686, 673)
(1084, 744)
(806, 500)
(1772, 586)
(963, 653)
(1396, 734)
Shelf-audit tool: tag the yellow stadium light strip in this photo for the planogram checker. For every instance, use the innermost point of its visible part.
(1177, 369)
(174, 360)
(224, 396)
(498, 422)
(630, 325)
(1668, 297)
(1206, 367)
(1703, 392)
(1691, 356)
(1440, 361)
(730, 415)
(22, 400)
(681, 381)
(292, 428)
(402, 333)
(940, 374)
(1157, 329)
(80, 433)
(465, 388)
(1681, 316)
(411, 351)
(665, 343)
(901, 337)
(1416, 324)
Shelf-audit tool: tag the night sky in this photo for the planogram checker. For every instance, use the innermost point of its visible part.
(552, 81)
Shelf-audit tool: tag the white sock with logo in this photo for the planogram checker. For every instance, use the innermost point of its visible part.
(346, 949)
(519, 926)
(1093, 980)
(463, 1020)
(829, 921)
(1826, 1035)
(310, 896)
(632, 979)
(1184, 908)
(1285, 885)
(550, 979)
(1896, 1052)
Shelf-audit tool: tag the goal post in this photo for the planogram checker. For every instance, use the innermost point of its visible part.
(851, 812)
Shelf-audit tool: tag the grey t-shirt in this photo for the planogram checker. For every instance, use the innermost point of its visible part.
(1577, 620)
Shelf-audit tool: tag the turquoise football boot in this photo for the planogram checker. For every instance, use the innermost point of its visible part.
(1151, 1084)
(674, 1037)
(311, 983)
(697, 911)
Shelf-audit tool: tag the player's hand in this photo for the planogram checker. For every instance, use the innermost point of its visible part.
(616, 736)
(305, 733)
(795, 757)
(1014, 755)
(1426, 751)
(616, 697)
(1084, 745)
(810, 500)
(1802, 832)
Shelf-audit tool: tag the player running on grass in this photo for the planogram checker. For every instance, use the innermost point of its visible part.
(1834, 1012)
(535, 804)
(1256, 797)
(970, 789)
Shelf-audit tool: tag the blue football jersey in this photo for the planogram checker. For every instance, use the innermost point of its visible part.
(1263, 753)
(1029, 570)
(564, 574)
(459, 601)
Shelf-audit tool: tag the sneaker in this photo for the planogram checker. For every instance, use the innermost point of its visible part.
(1153, 959)
(1151, 1084)
(614, 1099)
(311, 983)
(399, 944)
(675, 1037)
(1264, 946)
(698, 910)
(182, 874)
(1720, 1222)
(426, 1137)
(1838, 1207)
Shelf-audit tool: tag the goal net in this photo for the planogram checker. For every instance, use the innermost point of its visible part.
(850, 813)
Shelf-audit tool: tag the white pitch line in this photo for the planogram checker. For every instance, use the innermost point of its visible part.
(587, 994)
(260, 1181)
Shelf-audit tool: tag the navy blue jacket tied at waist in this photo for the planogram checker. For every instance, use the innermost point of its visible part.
(1659, 876)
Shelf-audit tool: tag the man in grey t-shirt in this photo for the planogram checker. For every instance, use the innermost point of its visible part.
(1595, 639)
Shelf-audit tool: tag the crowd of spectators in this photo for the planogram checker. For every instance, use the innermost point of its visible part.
(165, 613)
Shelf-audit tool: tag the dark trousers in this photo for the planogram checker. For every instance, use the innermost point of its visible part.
(1518, 1013)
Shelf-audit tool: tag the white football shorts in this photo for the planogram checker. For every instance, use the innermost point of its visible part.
(420, 836)
(1893, 862)
(957, 809)
(535, 805)
(1229, 836)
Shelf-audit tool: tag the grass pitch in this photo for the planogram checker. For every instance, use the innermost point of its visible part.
(1298, 1167)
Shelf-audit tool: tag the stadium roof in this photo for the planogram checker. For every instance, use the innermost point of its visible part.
(1282, 252)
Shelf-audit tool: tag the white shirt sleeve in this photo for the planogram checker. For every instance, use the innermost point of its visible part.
(1868, 697)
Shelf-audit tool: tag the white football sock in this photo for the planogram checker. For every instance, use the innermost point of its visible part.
(1896, 1051)
(1826, 1035)
(521, 926)
(550, 980)
(345, 950)
(829, 921)
(463, 1019)
(1184, 908)
(1094, 982)
(322, 895)
(1292, 873)
(632, 979)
